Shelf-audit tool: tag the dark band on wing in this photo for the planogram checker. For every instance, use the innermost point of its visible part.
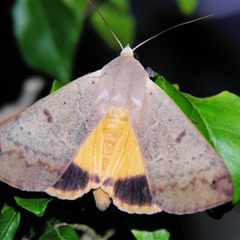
(133, 191)
(73, 179)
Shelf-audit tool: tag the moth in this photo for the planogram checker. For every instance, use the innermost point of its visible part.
(117, 133)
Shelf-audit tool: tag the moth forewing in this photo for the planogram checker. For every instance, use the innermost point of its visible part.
(114, 131)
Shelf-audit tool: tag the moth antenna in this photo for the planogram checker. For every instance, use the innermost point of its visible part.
(178, 25)
(106, 24)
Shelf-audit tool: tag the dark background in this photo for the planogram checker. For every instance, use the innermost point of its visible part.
(203, 58)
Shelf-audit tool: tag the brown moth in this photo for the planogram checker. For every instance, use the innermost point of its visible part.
(116, 132)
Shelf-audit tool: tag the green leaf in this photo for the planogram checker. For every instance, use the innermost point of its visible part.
(161, 234)
(9, 222)
(60, 233)
(76, 5)
(220, 114)
(56, 85)
(222, 131)
(47, 35)
(36, 206)
(187, 7)
(116, 13)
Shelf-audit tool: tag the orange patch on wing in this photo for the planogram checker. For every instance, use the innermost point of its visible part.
(109, 161)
